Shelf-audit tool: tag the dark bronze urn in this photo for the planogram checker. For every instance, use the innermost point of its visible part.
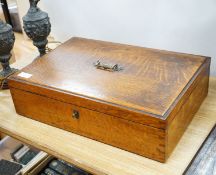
(37, 26)
(7, 40)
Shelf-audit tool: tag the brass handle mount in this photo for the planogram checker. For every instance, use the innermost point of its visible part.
(107, 67)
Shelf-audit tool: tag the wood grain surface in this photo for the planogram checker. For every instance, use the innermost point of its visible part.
(147, 141)
(138, 121)
(204, 162)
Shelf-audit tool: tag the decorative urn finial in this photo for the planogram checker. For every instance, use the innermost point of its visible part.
(7, 40)
(37, 26)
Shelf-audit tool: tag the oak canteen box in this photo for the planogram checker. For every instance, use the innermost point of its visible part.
(137, 99)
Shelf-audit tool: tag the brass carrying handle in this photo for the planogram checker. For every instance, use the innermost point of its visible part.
(107, 67)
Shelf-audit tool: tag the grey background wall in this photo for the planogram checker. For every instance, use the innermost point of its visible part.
(187, 26)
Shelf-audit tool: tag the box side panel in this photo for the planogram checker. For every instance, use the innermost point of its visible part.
(178, 125)
(186, 92)
(137, 138)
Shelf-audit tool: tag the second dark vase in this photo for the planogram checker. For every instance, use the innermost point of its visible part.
(37, 26)
(7, 39)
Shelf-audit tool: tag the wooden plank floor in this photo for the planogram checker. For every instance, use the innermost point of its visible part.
(101, 158)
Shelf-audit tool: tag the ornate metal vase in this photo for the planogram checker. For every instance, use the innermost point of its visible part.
(37, 26)
(7, 40)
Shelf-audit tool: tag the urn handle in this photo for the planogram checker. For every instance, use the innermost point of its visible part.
(107, 67)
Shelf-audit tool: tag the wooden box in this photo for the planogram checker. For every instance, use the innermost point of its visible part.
(137, 99)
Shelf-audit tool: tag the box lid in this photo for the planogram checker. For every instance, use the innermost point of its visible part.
(143, 90)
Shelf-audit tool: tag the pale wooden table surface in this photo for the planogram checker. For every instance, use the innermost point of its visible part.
(101, 158)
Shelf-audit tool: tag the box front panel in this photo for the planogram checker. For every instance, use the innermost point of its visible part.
(134, 137)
